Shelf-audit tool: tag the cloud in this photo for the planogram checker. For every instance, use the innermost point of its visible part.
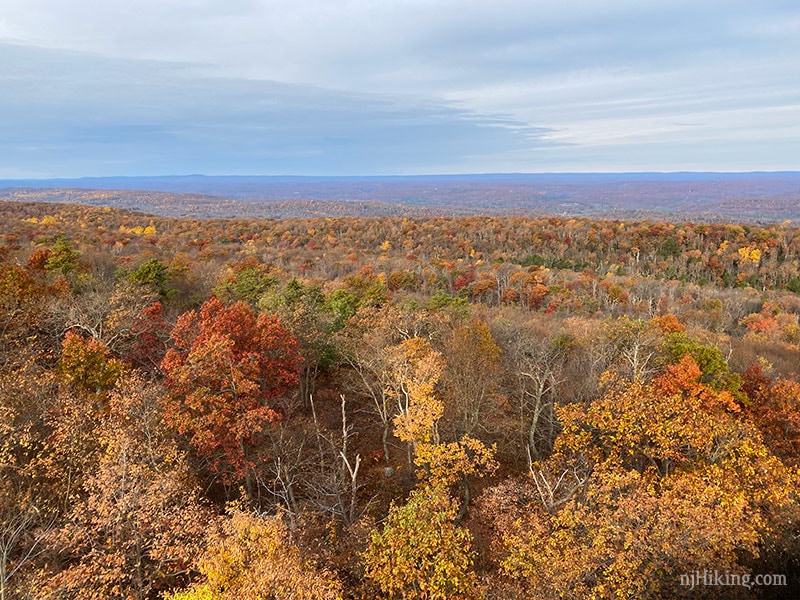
(408, 85)
(71, 112)
(356, 43)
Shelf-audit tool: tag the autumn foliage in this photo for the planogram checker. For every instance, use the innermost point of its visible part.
(252, 557)
(225, 369)
(494, 408)
(420, 553)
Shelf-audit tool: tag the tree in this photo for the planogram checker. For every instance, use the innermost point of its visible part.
(62, 258)
(253, 557)
(135, 533)
(421, 553)
(634, 342)
(247, 281)
(86, 364)
(303, 311)
(709, 359)
(416, 370)
(335, 488)
(23, 534)
(147, 344)
(367, 346)
(22, 301)
(27, 510)
(103, 311)
(535, 358)
(151, 273)
(226, 368)
(774, 406)
(471, 378)
(651, 480)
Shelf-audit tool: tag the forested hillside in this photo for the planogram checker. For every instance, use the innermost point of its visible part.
(471, 407)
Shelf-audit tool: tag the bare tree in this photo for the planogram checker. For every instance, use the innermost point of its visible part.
(336, 487)
(105, 313)
(23, 529)
(290, 460)
(536, 363)
(558, 485)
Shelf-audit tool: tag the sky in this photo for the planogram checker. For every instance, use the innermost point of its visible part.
(369, 87)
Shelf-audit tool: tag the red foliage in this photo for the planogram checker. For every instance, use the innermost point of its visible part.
(683, 378)
(775, 408)
(225, 369)
(668, 324)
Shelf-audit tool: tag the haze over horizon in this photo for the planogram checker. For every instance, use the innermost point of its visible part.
(250, 87)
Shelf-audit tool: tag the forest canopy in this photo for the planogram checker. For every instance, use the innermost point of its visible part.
(471, 407)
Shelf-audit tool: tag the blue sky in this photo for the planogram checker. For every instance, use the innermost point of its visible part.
(314, 87)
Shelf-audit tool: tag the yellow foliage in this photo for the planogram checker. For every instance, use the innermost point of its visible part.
(417, 423)
(650, 481)
(446, 464)
(421, 554)
(45, 220)
(416, 368)
(749, 254)
(254, 558)
(249, 247)
(138, 230)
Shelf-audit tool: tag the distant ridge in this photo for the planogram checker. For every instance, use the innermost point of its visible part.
(161, 182)
(700, 196)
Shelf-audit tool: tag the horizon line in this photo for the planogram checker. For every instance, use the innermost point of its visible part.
(398, 176)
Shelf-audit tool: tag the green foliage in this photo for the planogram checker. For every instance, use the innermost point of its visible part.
(343, 305)
(152, 273)
(248, 283)
(751, 281)
(441, 300)
(370, 288)
(551, 262)
(669, 248)
(793, 285)
(532, 260)
(293, 294)
(62, 258)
